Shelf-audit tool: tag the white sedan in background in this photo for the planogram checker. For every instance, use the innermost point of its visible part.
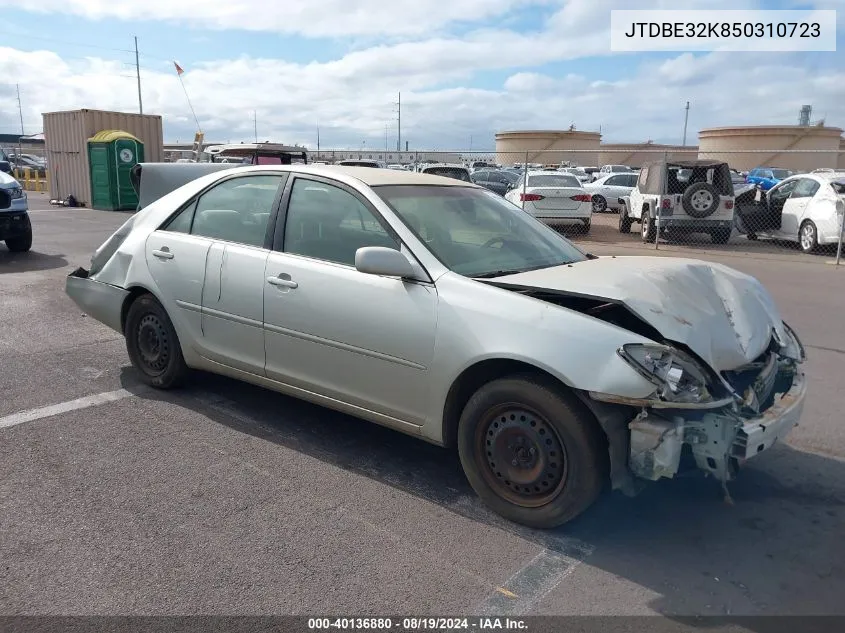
(806, 208)
(553, 196)
(607, 190)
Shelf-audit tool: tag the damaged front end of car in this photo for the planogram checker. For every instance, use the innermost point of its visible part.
(719, 419)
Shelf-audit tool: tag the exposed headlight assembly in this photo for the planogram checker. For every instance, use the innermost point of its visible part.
(678, 377)
(16, 192)
(792, 347)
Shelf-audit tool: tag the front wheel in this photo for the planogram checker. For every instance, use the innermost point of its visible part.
(599, 204)
(649, 231)
(531, 452)
(21, 243)
(152, 344)
(624, 220)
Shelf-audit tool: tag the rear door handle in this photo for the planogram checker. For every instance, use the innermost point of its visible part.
(164, 253)
(281, 282)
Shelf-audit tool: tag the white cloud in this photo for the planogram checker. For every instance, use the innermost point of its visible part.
(352, 97)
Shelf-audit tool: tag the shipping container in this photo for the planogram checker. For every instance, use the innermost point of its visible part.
(66, 137)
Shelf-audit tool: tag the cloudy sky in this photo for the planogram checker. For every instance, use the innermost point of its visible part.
(465, 69)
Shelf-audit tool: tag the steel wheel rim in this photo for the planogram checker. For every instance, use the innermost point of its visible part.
(153, 344)
(701, 200)
(807, 237)
(521, 455)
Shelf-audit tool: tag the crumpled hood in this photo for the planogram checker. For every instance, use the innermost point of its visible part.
(723, 315)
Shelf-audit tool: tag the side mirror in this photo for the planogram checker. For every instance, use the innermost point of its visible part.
(378, 260)
(5, 199)
(5, 166)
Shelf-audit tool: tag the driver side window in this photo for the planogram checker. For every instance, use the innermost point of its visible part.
(784, 190)
(329, 223)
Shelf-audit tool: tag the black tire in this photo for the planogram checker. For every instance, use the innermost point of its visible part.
(720, 235)
(153, 345)
(599, 204)
(587, 223)
(647, 228)
(560, 452)
(701, 199)
(21, 243)
(751, 236)
(624, 220)
(808, 236)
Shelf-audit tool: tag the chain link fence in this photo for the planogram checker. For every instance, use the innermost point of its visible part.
(738, 200)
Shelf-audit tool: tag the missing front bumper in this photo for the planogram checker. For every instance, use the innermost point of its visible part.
(719, 440)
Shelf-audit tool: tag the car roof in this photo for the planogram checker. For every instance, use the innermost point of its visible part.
(544, 172)
(375, 177)
(687, 163)
(450, 165)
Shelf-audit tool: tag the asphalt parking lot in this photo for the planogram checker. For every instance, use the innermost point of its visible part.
(222, 498)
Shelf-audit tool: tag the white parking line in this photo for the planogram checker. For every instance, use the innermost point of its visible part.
(529, 585)
(63, 407)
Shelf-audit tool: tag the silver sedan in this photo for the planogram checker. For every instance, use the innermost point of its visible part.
(439, 309)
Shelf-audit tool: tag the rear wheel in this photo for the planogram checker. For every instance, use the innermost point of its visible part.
(599, 204)
(153, 345)
(808, 237)
(531, 452)
(21, 243)
(587, 223)
(720, 235)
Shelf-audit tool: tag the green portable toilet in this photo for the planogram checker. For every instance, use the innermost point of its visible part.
(111, 156)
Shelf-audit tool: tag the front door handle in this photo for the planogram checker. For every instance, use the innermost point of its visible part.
(164, 253)
(282, 281)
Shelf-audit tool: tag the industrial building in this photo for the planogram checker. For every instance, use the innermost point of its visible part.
(67, 135)
(819, 146)
(635, 154)
(548, 147)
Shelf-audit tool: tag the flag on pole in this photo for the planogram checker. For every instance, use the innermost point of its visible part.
(179, 69)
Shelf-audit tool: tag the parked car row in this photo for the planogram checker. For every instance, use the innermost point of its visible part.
(705, 196)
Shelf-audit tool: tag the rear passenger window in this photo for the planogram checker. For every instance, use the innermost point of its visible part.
(237, 210)
(326, 222)
(805, 188)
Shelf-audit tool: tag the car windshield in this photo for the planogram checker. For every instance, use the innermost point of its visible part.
(780, 174)
(475, 232)
(619, 168)
(553, 180)
(576, 172)
(449, 172)
(511, 176)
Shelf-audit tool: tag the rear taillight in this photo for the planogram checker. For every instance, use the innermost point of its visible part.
(530, 197)
(667, 203)
(583, 197)
(729, 204)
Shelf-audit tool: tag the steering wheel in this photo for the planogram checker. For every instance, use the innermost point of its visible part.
(495, 240)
